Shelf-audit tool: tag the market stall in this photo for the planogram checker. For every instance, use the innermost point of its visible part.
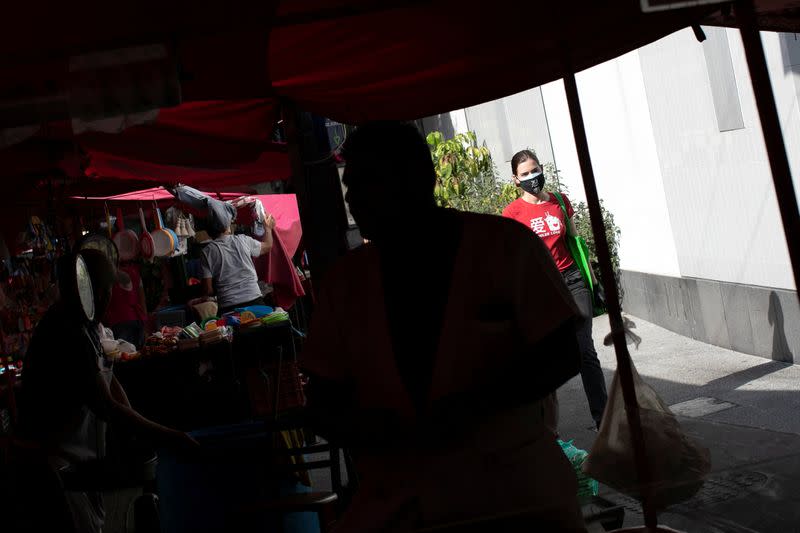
(182, 374)
(373, 67)
(186, 344)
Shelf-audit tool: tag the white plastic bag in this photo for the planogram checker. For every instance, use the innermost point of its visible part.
(678, 465)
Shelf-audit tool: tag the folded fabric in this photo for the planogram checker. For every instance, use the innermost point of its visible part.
(279, 271)
(250, 212)
(220, 214)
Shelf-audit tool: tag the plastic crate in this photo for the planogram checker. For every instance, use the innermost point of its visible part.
(261, 388)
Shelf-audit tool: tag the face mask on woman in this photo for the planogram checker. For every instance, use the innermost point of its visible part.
(533, 183)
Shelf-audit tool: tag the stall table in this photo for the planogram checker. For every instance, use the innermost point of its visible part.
(205, 386)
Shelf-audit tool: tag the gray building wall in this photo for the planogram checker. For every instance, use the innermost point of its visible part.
(755, 320)
(511, 124)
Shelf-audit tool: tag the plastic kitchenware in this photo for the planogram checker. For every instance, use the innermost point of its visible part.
(98, 241)
(163, 243)
(126, 240)
(108, 221)
(146, 244)
(175, 241)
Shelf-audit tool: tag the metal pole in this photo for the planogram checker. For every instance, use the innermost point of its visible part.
(319, 193)
(771, 128)
(624, 365)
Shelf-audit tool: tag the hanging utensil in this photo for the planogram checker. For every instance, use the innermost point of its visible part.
(126, 240)
(108, 220)
(175, 241)
(146, 244)
(162, 239)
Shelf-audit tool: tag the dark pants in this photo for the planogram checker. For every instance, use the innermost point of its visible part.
(594, 383)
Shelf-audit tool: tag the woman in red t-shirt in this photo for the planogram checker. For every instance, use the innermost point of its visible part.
(541, 212)
(127, 312)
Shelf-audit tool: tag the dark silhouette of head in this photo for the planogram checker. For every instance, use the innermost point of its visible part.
(103, 275)
(389, 177)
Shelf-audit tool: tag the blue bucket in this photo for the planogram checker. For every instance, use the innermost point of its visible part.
(200, 495)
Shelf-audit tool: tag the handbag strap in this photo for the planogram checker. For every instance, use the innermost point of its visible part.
(563, 210)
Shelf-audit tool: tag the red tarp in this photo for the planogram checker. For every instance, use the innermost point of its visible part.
(424, 58)
(157, 194)
(213, 144)
(205, 135)
(269, 166)
(203, 144)
(350, 60)
(277, 268)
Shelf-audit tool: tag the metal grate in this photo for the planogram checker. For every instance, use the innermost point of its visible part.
(718, 488)
(725, 487)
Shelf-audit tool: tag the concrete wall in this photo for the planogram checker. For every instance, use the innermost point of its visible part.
(754, 320)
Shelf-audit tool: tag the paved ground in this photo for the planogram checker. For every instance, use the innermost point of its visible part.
(754, 433)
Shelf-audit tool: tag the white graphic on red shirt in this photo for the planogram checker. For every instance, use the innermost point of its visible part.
(554, 223)
(547, 225)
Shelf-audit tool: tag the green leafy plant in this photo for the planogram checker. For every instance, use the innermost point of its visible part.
(466, 176)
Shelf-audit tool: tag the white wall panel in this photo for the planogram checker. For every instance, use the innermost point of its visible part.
(718, 188)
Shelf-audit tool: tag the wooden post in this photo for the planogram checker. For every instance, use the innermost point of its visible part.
(624, 366)
(771, 128)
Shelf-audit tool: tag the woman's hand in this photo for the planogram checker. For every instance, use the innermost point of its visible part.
(270, 222)
(181, 442)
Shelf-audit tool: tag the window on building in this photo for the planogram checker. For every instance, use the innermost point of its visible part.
(722, 79)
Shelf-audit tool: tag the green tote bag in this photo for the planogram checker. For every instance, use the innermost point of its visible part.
(580, 254)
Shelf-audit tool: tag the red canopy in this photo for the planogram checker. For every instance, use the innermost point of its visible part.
(203, 135)
(269, 166)
(214, 144)
(409, 60)
(350, 60)
(156, 193)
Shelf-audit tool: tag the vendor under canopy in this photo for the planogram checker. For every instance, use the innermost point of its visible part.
(227, 263)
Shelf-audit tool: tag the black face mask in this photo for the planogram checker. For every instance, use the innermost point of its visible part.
(533, 183)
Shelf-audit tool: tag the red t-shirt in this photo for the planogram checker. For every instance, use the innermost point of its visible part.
(547, 221)
(125, 305)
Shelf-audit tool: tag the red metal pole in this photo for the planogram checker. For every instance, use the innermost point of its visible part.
(771, 128)
(624, 366)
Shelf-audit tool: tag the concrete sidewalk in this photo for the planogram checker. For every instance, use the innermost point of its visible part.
(743, 408)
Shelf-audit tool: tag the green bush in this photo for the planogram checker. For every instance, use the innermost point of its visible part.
(466, 175)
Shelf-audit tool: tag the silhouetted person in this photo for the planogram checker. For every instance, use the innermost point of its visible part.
(434, 353)
(68, 396)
